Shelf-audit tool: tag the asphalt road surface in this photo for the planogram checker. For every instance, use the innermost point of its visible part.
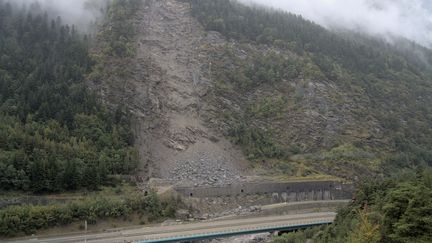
(190, 229)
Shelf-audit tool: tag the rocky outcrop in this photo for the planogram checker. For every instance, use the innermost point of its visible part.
(164, 94)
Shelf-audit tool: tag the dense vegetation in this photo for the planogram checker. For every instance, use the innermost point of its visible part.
(119, 37)
(291, 31)
(27, 219)
(114, 51)
(341, 90)
(54, 133)
(392, 210)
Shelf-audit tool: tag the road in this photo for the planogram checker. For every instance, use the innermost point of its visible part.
(203, 228)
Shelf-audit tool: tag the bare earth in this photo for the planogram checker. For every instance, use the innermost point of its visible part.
(171, 138)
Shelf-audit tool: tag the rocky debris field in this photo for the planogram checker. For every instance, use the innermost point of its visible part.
(171, 75)
(205, 170)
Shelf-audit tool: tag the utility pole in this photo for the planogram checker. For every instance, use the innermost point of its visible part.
(85, 234)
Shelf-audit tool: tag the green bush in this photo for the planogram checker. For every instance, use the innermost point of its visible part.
(256, 143)
(28, 219)
(395, 209)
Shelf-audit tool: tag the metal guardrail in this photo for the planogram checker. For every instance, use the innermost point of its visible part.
(244, 231)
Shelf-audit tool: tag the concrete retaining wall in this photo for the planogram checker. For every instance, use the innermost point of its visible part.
(278, 191)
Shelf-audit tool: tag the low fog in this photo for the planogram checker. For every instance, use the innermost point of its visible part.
(411, 19)
(81, 13)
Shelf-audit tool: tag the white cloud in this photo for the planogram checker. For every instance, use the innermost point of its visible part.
(77, 12)
(411, 19)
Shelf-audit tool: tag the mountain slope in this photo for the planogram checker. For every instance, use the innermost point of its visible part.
(164, 91)
(298, 99)
(303, 99)
(55, 135)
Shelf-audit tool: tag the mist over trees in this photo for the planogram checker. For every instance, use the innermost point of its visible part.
(393, 85)
(84, 14)
(395, 82)
(54, 133)
(385, 19)
(57, 136)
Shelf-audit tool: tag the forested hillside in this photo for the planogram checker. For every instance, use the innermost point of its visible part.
(302, 100)
(57, 137)
(218, 93)
(55, 134)
(300, 93)
(396, 209)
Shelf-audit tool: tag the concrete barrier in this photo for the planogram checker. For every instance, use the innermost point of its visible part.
(278, 191)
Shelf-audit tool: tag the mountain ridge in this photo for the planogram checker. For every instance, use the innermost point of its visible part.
(379, 87)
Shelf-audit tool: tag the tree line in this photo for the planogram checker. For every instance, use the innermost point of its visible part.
(27, 219)
(396, 209)
(55, 134)
(389, 82)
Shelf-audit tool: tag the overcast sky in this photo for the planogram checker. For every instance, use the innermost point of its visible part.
(411, 19)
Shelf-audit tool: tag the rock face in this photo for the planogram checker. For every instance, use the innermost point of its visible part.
(182, 111)
(164, 95)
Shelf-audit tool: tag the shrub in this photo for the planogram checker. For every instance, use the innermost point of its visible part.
(28, 219)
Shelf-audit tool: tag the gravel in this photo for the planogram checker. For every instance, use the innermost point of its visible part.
(205, 170)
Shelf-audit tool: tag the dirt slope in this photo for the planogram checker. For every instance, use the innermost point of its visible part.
(165, 97)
